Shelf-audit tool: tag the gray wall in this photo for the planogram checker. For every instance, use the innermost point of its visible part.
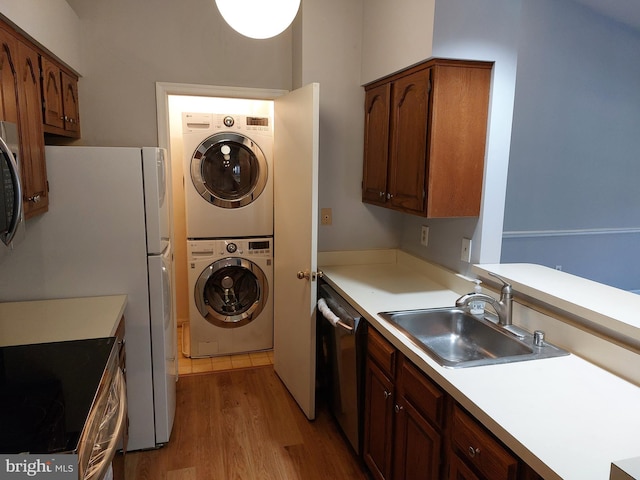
(572, 194)
(127, 46)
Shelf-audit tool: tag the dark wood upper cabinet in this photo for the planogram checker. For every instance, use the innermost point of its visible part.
(425, 134)
(20, 103)
(59, 100)
(40, 95)
(8, 78)
(376, 141)
(36, 195)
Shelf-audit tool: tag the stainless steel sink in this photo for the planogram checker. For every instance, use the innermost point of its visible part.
(455, 338)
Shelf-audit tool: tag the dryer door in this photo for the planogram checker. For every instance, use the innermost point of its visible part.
(231, 292)
(229, 170)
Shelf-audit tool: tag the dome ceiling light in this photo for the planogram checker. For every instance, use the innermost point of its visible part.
(258, 18)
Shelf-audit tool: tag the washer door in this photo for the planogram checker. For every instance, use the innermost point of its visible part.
(231, 292)
(229, 170)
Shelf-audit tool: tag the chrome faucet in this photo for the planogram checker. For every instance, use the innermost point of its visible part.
(503, 307)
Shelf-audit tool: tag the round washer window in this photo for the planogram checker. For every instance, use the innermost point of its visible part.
(231, 292)
(229, 170)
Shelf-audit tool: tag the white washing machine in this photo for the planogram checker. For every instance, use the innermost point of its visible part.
(228, 175)
(231, 298)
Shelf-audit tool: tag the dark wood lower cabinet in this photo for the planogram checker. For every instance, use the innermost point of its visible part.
(418, 446)
(458, 470)
(403, 411)
(415, 431)
(377, 448)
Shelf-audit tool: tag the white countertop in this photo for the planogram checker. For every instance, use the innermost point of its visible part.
(565, 417)
(43, 321)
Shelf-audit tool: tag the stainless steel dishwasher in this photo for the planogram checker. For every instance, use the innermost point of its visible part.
(342, 334)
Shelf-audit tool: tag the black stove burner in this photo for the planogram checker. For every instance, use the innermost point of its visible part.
(46, 392)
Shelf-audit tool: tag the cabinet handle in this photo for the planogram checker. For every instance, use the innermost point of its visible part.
(387, 395)
(398, 408)
(35, 198)
(473, 452)
(381, 194)
(389, 196)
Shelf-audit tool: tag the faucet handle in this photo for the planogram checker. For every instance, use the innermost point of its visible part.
(506, 286)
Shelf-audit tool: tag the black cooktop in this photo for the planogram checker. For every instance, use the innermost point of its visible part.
(46, 392)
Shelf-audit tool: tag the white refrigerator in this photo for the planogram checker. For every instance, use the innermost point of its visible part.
(107, 232)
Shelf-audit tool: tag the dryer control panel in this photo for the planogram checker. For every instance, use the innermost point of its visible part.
(242, 247)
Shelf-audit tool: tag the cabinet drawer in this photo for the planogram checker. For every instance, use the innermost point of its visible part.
(382, 352)
(423, 394)
(480, 449)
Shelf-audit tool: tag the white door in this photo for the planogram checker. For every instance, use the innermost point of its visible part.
(296, 130)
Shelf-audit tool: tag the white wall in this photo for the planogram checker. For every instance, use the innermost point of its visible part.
(395, 35)
(330, 54)
(51, 23)
(126, 47)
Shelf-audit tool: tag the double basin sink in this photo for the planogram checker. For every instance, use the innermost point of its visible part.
(455, 338)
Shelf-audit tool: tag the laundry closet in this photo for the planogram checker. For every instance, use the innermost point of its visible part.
(226, 164)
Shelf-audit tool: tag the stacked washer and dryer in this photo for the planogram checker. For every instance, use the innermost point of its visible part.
(228, 172)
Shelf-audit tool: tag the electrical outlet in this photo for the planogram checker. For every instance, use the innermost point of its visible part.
(465, 253)
(325, 216)
(424, 236)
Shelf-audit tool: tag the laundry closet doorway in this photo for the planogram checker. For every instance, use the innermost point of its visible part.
(295, 229)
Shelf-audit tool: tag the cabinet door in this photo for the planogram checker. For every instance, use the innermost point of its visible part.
(70, 106)
(378, 418)
(52, 94)
(376, 144)
(33, 164)
(408, 147)
(460, 471)
(418, 446)
(8, 79)
(478, 447)
(459, 106)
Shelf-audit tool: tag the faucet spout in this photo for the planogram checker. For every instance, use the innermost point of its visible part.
(502, 307)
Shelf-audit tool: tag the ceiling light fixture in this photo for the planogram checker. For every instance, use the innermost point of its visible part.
(258, 18)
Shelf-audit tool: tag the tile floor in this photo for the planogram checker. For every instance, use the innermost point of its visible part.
(190, 366)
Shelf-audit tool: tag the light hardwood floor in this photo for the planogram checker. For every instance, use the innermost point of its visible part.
(243, 425)
(235, 420)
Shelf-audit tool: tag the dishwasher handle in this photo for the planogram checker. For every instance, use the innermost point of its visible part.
(331, 316)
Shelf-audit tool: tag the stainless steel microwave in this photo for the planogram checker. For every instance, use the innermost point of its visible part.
(11, 214)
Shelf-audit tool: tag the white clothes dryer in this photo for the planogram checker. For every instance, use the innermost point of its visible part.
(228, 175)
(231, 298)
